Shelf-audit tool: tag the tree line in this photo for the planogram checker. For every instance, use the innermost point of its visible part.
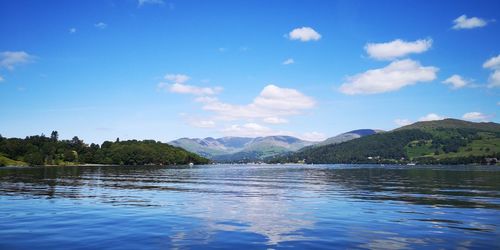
(49, 150)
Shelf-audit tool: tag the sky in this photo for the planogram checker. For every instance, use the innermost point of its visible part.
(159, 69)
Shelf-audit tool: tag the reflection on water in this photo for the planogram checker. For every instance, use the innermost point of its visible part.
(271, 206)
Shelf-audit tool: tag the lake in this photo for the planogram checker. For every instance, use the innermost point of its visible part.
(250, 206)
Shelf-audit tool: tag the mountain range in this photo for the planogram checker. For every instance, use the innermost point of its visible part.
(245, 149)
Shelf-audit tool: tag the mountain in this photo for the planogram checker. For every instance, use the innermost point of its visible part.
(448, 141)
(210, 147)
(351, 135)
(230, 149)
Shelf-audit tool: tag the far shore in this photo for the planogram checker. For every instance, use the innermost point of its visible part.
(115, 165)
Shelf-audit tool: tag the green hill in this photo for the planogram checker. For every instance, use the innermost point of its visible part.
(453, 124)
(4, 161)
(448, 141)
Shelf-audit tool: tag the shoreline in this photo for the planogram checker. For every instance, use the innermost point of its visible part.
(242, 164)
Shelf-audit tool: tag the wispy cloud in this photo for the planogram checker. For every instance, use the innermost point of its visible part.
(177, 78)
(395, 76)
(202, 123)
(152, 2)
(462, 22)
(190, 89)
(493, 64)
(176, 83)
(402, 122)
(274, 120)
(397, 48)
(288, 61)
(475, 116)
(248, 130)
(313, 136)
(456, 82)
(100, 25)
(431, 117)
(304, 34)
(11, 59)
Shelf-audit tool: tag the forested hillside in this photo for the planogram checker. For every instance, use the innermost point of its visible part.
(43, 150)
(438, 142)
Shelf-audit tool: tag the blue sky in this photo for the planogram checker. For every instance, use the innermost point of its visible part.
(158, 69)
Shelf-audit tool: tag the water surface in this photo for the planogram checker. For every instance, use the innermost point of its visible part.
(250, 206)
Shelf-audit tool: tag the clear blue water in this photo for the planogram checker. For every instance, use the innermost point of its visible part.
(244, 206)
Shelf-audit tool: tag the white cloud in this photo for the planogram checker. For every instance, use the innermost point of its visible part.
(397, 48)
(248, 130)
(492, 63)
(9, 59)
(275, 120)
(1, 79)
(288, 61)
(462, 22)
(189, 89)
(157, 2)
(273, 103)
(403, 122)
(396, 75)
(206, 99)
(274, 97)
(72, 30)
(456, 82)
(494, 79)
(304, 34)
(177, 78)
(313, 136)
(475, 116)
(202, 123)
(177, 85)
(431, 117)
(100, 25)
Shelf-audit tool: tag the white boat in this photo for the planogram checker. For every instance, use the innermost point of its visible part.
(191, 164)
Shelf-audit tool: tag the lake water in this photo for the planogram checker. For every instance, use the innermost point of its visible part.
(246, 206)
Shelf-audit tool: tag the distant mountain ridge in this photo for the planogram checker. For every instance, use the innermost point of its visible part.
(347, 136)
(241, 148)
(245, 149)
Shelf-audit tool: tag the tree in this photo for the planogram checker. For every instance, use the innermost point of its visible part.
(70, 155)
(54, 136)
